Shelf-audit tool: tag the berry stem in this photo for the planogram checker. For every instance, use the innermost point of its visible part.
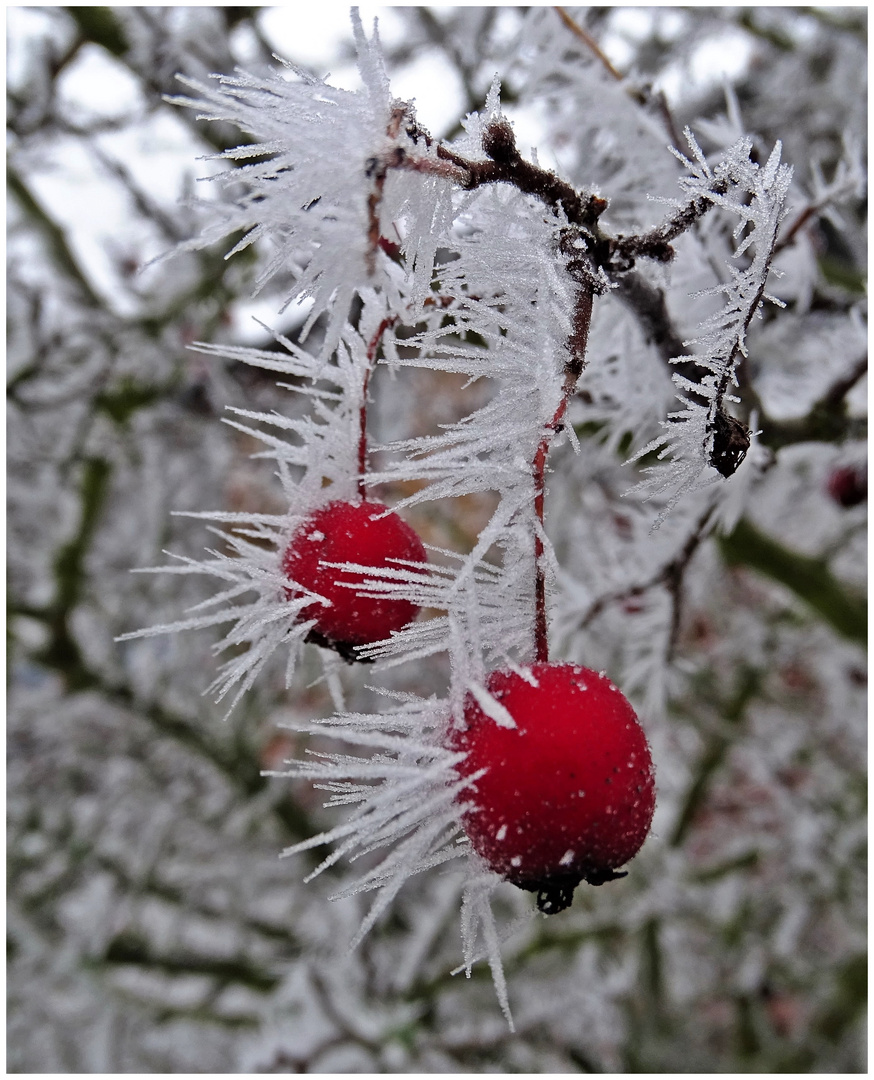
(573, 369)
(362, 436)
(372, 349)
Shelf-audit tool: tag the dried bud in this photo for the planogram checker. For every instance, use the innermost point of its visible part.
(499, 142)
(731, 440)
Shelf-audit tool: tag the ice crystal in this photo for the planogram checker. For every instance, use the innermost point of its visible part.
(307, 197)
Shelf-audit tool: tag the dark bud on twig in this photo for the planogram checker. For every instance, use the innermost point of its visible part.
(499, 142)
(731, 440)
(416, 132)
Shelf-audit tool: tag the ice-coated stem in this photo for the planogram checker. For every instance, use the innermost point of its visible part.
(541, 641)
(372, 348)
(573, 369)
(362, 436)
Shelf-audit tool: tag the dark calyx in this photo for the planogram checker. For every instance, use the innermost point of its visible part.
(347, 651)
(556, 892)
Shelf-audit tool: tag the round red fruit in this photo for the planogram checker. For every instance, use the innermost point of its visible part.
(568, 794)
(353, 532)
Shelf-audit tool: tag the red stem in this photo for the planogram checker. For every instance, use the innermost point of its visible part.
(362, 437)
(372, 348)
(541, 641)
(573, 370)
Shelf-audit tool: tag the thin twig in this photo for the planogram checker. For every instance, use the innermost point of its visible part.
(786, 239)
(670, 575)
(372, 347)
(54, 236)
(841, 387)
(587, 38)
(643, 96)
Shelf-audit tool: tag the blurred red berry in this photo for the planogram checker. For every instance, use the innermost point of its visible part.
(848, 485)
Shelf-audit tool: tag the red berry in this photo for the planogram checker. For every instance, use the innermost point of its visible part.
(848, 485)
(351, 532)
(569, 793)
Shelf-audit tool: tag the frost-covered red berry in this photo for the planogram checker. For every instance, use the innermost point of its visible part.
(352, 532)
(569, 792)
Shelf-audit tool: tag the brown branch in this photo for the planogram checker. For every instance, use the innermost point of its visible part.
(655, 244)
(647, 303)
(616, 255)
(508, 166)
(372, 349)
(586, 251)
